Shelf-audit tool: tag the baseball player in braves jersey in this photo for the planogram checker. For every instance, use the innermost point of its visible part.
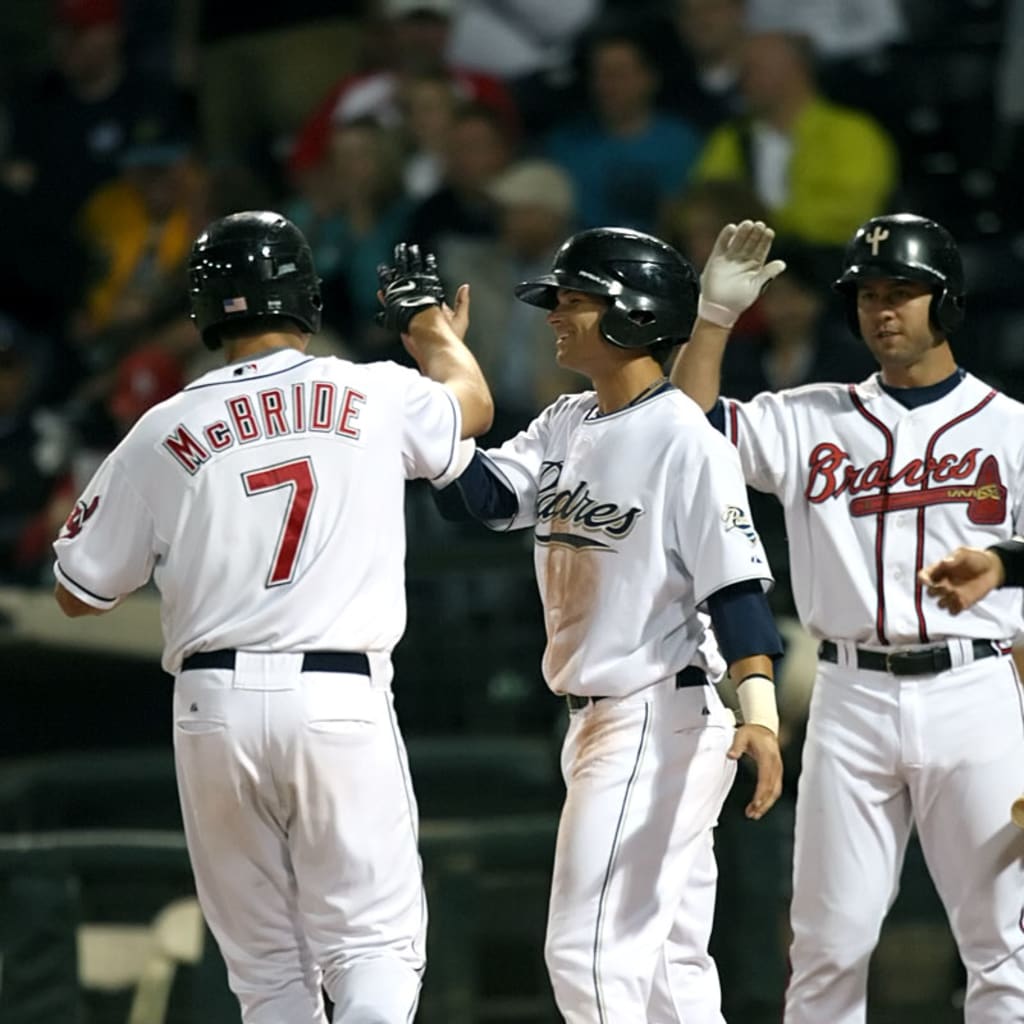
(266, 501)
(916, 716)
(639, 517)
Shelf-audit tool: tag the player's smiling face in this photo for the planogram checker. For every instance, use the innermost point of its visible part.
(579, 345)
(894, 321)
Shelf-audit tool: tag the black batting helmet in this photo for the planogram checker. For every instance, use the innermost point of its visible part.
(255, 265)
(652, 288)
(906, 247)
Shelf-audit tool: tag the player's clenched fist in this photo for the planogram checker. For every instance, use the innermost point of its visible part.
(408, 286)
(963, 578)
(762, 746)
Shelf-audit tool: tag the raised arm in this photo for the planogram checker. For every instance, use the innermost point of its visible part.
(413, 299)
(733, 278)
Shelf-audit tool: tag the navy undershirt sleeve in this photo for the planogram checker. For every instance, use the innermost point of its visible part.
(716, 416)
(1011, 554)
(743, 622)
(477, 494)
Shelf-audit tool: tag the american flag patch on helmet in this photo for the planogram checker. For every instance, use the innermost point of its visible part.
(236, 305)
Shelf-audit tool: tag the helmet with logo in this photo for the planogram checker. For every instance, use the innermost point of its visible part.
(903, 246)
(651, 288)
(252, 266)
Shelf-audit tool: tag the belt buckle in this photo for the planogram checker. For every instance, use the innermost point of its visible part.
(929, 661)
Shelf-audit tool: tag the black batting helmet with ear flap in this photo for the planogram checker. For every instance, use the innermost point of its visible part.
(903, 246)
(651, 288)
(255, 265)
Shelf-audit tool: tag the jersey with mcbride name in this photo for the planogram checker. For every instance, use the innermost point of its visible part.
(266, 501)
(873, 491)
(638, 517)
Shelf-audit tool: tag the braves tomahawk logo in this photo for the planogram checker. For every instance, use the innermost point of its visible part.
(941, 481)
(80, 515)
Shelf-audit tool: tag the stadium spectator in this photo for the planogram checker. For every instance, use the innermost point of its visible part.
(479, 147)
(624, 155)
(820, 169)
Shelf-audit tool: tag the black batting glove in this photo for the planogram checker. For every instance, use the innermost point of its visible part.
(408, 286)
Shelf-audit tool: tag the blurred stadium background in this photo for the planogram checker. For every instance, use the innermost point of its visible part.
(487, 131)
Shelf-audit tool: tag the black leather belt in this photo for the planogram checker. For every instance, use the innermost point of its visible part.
(352, 662)
(925, 661)
(689, 676)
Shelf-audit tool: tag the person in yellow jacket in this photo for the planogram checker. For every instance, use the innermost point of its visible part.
(820, 168)
(138, 229)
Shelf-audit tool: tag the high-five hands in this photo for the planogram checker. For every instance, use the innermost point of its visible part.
(736, 272)
(408, 286)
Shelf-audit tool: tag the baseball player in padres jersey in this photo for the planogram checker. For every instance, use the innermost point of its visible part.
(916, 715)
(639, 516)
(266, 502)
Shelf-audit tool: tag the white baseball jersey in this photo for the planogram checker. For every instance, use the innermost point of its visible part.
(873, 492)
(297, 542)
(638, 517)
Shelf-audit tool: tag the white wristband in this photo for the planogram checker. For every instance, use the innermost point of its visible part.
(721, 316)
(756, 695)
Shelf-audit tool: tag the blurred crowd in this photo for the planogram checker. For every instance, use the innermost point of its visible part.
(487, 131)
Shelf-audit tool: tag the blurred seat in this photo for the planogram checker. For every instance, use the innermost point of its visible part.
(944, 124)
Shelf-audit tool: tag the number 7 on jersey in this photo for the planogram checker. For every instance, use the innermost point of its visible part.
(296, 475)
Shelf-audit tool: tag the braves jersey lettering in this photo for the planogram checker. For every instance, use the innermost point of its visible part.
(831, 473)
(875, 491)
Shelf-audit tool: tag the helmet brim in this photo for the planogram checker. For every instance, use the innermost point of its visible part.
(543, 291)
(887, 270)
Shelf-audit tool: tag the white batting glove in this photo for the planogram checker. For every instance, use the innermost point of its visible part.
(736, 273)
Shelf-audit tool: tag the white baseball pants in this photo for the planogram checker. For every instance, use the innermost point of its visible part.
(302, 831)
(944, 753)
(634, 878)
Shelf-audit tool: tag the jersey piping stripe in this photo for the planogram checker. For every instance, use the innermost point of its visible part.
(85, 590)
(922, 626)
(455, 440)
(602, 1018)
(734, 424)
(413, 820)
(257, 376)
(879, 519)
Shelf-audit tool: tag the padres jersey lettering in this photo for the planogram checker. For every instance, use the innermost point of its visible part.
(651, 485)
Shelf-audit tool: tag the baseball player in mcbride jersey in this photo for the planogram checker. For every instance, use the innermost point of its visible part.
(266, 502)
(916, 717)
(640, 524)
